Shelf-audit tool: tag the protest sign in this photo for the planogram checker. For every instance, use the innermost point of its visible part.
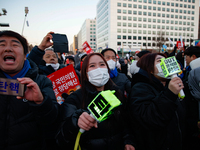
(170, 67)
(178, 44)
(64, 80)
(87, 47)
(11, 87)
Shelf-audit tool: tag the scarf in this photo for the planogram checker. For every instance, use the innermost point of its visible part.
(22, 73)
(113, 73)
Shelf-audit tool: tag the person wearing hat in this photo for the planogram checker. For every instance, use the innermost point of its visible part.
(119, 79)
(82, 57)
(134, 68)
(71, 61)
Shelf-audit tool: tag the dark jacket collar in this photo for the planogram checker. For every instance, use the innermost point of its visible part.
(31, 73)
(142, 76)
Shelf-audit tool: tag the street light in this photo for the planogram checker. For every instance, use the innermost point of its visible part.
(26, 12)
(4, 13)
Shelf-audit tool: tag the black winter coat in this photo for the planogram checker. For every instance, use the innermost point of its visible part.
(123, 83)
(192, 117)
(110, 134)
(22, 123)
(157, 117)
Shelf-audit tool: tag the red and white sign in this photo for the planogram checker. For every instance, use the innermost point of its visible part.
(64, 80)
(178, 44)
(87, 47)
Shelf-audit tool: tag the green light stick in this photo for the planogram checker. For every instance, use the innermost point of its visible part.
(101, 108)
(170, 67)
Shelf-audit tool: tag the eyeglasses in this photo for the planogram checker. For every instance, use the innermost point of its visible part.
(109, 57)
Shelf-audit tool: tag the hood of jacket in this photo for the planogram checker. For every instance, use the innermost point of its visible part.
(142, 76)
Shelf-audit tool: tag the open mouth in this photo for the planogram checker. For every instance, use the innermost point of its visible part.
(9, 58)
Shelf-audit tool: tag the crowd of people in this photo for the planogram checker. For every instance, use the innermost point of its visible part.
(151, 116)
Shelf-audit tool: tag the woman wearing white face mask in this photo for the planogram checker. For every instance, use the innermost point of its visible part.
(109, 134)
(157, 116)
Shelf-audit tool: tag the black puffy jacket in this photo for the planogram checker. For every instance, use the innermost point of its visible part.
(156, 115)
(123, 83)
(110, 134)
(22, 123)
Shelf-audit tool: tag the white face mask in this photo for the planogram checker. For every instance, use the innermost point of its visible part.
(134, 68)
(98, 77)
(118, 64)
(160, 72)
(55, 66)
(111, 64)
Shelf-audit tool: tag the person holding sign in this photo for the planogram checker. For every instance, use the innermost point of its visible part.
(156, 114)
(23, 118)
(110, 133)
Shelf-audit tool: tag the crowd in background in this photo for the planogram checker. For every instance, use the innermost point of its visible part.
(152, 115)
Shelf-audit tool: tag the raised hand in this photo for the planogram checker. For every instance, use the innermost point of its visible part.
(175, 85)
(46, 42)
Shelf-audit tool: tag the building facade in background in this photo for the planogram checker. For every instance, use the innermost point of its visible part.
(75, 44)
(87, 33)
(199, 25)
(71, 47)
(145, 24)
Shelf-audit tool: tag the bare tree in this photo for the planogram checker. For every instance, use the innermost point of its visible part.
(159, 40)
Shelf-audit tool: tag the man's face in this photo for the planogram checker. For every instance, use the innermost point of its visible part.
(12, 55)
(108, 55)
(71, 62)
(188, 59)
(50, 57)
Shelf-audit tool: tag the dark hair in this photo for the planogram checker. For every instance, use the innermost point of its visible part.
(70, 58)
(140, 54)
(85, 84)
(146, 62)
(108, 49)
(193, 50)
(18, 36)
(82, 55)
(180, 58)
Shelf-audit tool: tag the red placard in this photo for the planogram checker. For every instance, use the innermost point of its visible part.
(64, 80)
(178, 44)
(87, 47)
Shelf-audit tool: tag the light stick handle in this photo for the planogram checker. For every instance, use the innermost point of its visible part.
(181, 94)
(82, 130)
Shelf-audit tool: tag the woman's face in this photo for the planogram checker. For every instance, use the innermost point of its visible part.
(157, 61)
(96, 62)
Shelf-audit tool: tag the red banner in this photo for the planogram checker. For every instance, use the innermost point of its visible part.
(64, 80)
(87, 47)
(178, 44)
